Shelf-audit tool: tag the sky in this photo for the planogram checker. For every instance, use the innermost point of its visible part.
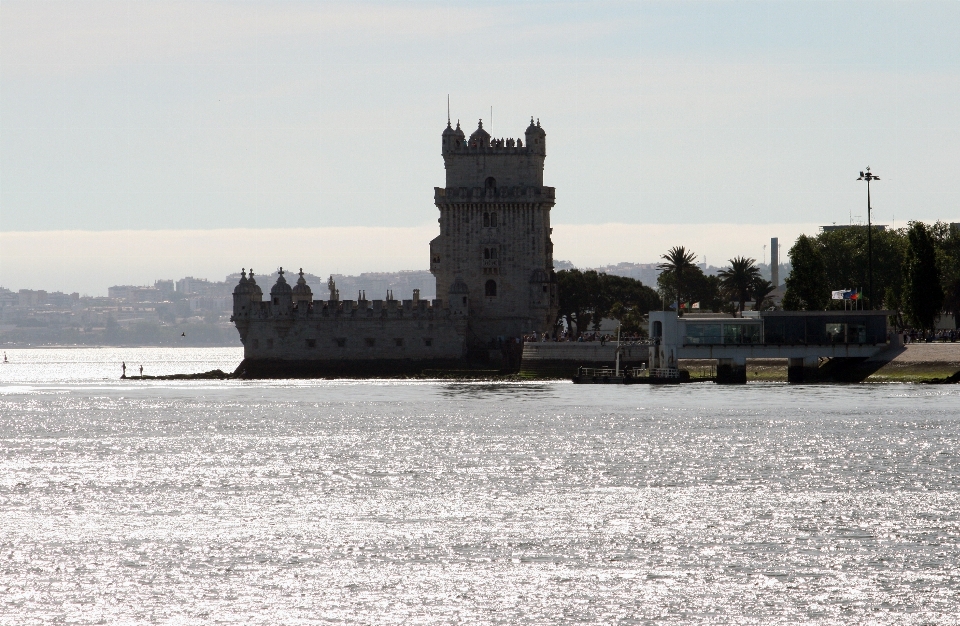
(145, 140)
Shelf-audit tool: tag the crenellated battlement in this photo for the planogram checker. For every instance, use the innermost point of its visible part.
(289, 327)
(494, 146)
(341, 310)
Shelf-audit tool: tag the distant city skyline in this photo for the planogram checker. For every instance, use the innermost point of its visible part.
(133, 135)
(73, 260)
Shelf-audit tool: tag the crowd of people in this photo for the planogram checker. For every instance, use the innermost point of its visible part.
(919, 336)
(563, 335)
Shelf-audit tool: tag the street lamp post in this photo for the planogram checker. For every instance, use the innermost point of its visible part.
(867, 176)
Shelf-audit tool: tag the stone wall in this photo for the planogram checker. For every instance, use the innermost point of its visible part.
(352, 331)
(561, 359)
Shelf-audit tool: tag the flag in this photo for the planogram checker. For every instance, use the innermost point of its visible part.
(683, 305)
(838, 295)
(854, 295)
(695, 305)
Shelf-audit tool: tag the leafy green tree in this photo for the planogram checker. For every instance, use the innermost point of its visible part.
(736, 280)
(845, 259)
(699, 288)
(922, 292)
(574, 299)
(678, 261)
(807, 283)
(760, 290)
(947, 239)
(590, 296)
(629, 292)
(630, 318)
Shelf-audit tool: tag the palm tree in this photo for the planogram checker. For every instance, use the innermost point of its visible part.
(738, 279)
(677, 261)
(761, 290)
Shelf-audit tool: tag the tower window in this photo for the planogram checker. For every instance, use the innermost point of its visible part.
(370, 342)
(493, 253)
(486, 219)
(490, 289)
(493, 220)
(486, 253)
(491, 183)
(399, 342)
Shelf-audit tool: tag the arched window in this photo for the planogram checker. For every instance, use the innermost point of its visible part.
(490, 288)
(493, 253)
(486, 219)
(486, 253)
(493, 220)
(491, 183)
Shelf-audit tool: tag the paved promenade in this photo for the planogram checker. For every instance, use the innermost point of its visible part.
(933, 353)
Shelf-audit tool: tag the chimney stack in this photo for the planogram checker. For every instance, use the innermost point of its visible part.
(774, 262)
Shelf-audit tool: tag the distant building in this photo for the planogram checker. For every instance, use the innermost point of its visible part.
(134, 294)
(165, 287)
(8, 298)
(190, 285)
(31, 297)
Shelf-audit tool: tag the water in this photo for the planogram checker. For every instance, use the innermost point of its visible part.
(317, 502)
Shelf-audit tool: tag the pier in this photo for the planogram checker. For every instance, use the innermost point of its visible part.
(803, 338)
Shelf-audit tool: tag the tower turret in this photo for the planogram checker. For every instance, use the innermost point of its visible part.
(536, 138)
(256, 294)
(449, 138)
(302, 292)
(281, 296)
(480, 138)
(241, 296)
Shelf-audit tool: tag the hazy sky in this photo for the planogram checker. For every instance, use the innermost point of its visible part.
(172, 116)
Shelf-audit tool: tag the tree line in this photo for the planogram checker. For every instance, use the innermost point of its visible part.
(916, 271)
(586, 298)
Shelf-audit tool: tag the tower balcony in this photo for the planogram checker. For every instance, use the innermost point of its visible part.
(458, 195)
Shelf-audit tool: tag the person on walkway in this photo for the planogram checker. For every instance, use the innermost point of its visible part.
(141, 371)
(124, 366)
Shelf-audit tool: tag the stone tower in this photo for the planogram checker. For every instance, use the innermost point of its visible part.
(495, 233)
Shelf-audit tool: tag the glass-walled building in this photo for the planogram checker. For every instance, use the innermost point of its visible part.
(787, 328)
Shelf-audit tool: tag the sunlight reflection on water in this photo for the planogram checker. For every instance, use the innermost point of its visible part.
(395, 502)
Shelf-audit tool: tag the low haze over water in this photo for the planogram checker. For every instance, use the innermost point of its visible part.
(394, 502)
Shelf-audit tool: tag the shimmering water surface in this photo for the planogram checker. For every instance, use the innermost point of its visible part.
(290, 502)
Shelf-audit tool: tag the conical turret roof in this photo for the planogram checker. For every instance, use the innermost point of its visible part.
(281, 288)
(480, 136)
(302, 289)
